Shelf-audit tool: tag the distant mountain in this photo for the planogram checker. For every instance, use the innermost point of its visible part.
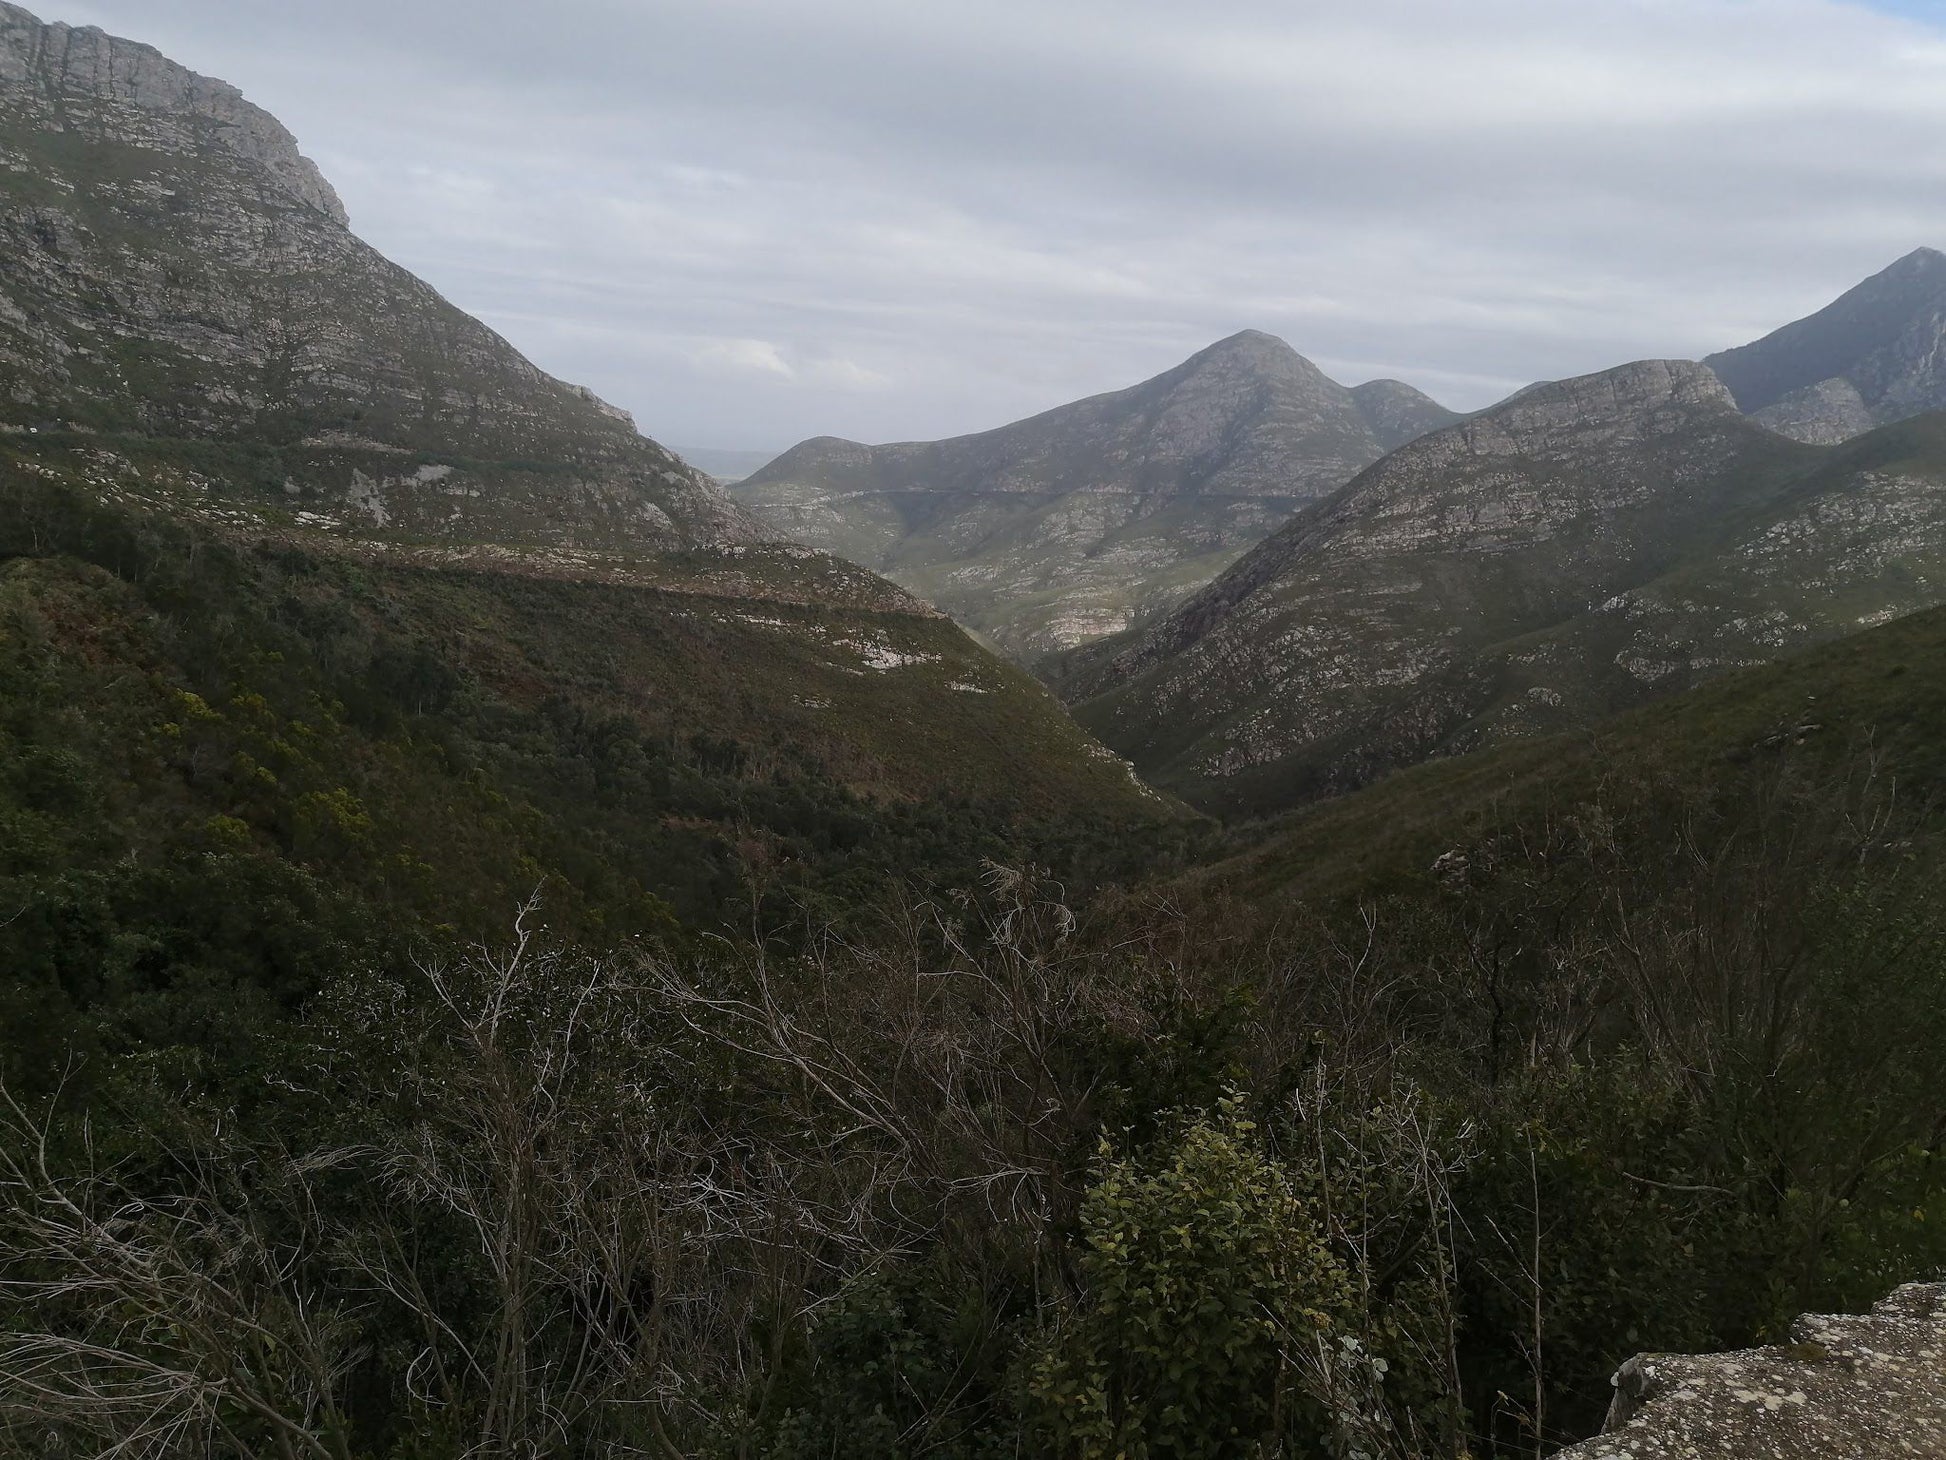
(1076, 523)
(170, 265)
(1583, 547)
(1875, 355)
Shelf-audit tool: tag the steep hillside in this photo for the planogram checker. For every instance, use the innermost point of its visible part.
(1870, 708)
(173, 266)
(1074, 524)
(317, 598)
(1875, 355)
(1568, 554)
(229, 757)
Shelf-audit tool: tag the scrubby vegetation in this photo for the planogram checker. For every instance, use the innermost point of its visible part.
(463, 1014)
(228, 771)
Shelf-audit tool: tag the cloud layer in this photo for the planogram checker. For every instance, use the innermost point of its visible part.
(750, 221)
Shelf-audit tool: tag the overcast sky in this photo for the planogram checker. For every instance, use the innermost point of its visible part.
(751, 221)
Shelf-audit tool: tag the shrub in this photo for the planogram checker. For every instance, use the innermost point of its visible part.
(1207, 1290)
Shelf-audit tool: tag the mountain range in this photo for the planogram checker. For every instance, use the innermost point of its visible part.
(1580, 548)
(495, 959)
(1257, 584)
(1077, 522)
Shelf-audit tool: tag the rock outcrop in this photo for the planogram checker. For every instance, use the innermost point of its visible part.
(1075, 523)
(1579, 548)
(1875, 355)
(171, 265)
(1866, 1387)
(122, 93)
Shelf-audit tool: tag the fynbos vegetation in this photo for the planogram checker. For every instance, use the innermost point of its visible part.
(495, 963)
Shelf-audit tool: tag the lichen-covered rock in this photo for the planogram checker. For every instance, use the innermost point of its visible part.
(1865, 1387)
(171, 265)
(1077, 522)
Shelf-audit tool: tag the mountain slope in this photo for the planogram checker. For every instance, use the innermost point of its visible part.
(303, 569)
(437, 740)
(1564, 555)
(1875, 355)
(1875, 700)
(174, 267)
(1074, 523)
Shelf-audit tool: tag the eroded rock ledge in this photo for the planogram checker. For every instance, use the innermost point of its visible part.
(1859, 1386)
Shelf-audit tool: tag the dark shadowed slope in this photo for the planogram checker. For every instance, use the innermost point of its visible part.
(1870, 706)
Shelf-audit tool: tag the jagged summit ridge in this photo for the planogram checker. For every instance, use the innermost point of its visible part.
(118, 90)
(1075, 522)
(1639, 393)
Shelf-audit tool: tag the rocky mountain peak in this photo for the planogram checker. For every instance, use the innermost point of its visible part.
(1073, 523)
(172, 267)
(1252, 355)
(1922, 261)
(1247, 346)
(81, 79)
(1874, 355)
(1348, 640)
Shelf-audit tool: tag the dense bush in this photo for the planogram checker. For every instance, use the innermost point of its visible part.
(1207, 1285)
(971, 1162)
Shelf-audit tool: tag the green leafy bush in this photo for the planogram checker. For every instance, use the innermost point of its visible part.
(1207, 1291)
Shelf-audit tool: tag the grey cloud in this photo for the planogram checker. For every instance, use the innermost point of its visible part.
(754, 220)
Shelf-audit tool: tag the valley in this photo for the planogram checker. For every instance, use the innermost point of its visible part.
(1235, 917)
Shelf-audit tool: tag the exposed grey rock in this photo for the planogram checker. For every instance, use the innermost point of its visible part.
(121, 92)
(171, 265)
(1826, 413)
(1875, 355)
(1572, 551)
(1869, 1387)
(1074, 523)
(1397, 412)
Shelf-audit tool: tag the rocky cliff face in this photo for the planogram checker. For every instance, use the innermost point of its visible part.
(1869, 1386)
(1574, 551)
(1875, 355)
(1073, 524)
(188, 331)
(171, 265)
(108, 90)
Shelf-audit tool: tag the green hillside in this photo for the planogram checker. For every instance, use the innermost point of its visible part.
(232, 761)
(496, 964)
(1875, 700)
